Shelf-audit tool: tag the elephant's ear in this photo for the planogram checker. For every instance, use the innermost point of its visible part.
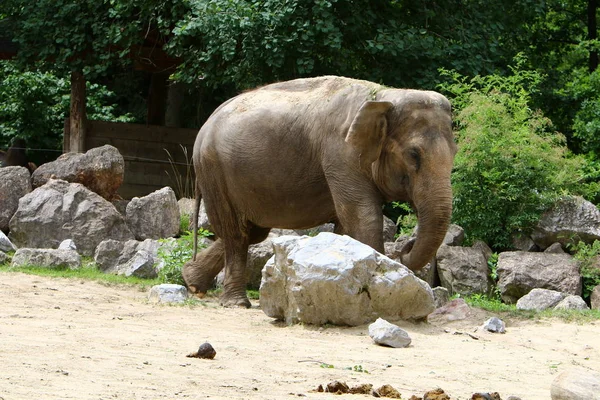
(368, 129)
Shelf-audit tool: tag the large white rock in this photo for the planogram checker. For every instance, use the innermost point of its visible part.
(576, 384)
(338, 280)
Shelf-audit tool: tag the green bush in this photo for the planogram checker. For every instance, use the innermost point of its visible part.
(589, 257)
(511, 165)
(175, 254)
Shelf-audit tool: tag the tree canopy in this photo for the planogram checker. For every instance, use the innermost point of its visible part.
(464, 48)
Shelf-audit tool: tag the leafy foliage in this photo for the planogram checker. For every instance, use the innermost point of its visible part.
(34, 105)
(174, 255)
(511, 165)
(589, 257)
(245, 43)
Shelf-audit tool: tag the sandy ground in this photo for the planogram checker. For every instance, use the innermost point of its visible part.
(70, 339)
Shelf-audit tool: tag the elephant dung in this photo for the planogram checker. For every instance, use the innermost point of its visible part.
(338, 280)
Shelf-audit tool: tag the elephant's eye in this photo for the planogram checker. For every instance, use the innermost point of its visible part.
(415, 156)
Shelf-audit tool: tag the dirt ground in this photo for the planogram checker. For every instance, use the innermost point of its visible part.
(72, 339)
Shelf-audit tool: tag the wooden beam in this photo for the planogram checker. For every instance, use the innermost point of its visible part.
(77, 115)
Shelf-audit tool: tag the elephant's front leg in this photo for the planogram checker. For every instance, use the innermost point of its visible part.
(359, 214)
(234, 286)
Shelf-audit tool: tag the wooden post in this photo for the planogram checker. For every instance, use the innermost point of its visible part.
(77, 116)
(592, 33)
(157, 99)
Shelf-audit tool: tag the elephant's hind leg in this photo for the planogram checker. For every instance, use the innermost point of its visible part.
(236, 256)
(200, 274)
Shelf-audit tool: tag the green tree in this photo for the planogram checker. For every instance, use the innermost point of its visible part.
(241, 44)
(512, 165)
(33, 106)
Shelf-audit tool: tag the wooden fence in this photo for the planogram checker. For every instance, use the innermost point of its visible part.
(155, 156)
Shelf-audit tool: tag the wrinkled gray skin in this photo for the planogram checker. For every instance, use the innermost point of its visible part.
(301, 153)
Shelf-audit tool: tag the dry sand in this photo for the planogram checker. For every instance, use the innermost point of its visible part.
(73, 339)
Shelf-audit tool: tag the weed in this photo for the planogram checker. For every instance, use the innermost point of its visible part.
(176, 253)
(183, 182)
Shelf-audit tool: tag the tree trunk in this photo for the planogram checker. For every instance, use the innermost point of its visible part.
(157, 99)
(77, 116)
(592, 33)
(174, 103)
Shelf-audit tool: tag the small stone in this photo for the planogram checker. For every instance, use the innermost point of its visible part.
(384, 333)
(387, 391)
(495, 325)
(486, 396)
(204, 351)
(337, 387)
(437, 394)
(168, 293)
(365, 388)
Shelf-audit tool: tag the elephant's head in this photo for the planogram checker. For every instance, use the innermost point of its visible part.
(406, 142)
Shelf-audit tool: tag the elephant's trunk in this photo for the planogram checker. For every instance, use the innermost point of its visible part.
(434, 214)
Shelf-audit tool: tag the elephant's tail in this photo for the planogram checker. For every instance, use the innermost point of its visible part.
(195, 221)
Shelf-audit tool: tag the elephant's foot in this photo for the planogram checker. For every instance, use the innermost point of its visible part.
(235, 300)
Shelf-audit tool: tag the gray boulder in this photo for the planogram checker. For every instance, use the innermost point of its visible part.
(483, 248)
(154, 216)
(15, 182)
(554, 248)
(168, 293)
(454, 310)
(67, 244)
(394, 251)
(129, 258)
(258, 255)
(3, 257)
(5, 243)
(463, 270)
(520, 272)
(455, 236)
(100, 169)
(50, 258)
(60, 210)
(540, 299)
(523, 242)
(203, 221)
(595, 298)
(338, 280)
(386, 334)
(576, 384)
(572, 302)
(441, 296)
(572, 218)
(389, 230)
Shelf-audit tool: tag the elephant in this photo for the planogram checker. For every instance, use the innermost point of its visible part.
(300, 153)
